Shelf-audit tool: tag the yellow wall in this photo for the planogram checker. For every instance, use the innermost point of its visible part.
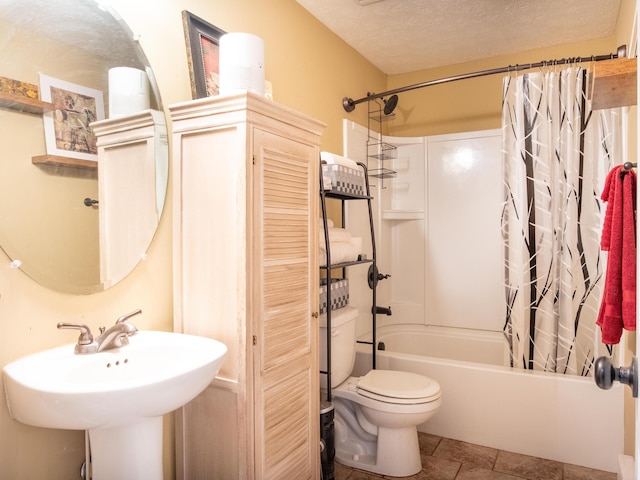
(55, 195)
(475, 104)
(471, 104)
(311, 71)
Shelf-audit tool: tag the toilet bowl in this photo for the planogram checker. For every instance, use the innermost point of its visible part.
(376, 415)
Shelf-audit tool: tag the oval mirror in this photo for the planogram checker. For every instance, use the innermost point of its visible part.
(83, 144)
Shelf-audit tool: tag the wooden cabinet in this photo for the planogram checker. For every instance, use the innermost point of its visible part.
(132, 165)
(246, 273)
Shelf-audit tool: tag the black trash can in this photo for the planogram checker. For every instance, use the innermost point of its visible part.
(328, 450)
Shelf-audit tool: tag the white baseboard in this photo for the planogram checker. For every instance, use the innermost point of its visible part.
(626, 468)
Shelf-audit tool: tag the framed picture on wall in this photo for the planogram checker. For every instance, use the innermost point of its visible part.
(203, 55)
(67, 127)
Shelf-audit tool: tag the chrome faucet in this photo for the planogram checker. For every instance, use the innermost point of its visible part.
(113, 337)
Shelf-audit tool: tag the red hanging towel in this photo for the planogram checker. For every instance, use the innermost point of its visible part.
(618, 307)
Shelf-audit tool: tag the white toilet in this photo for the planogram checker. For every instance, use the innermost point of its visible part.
(376, 415)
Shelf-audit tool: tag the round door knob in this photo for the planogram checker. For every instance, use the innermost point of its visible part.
(605, 374)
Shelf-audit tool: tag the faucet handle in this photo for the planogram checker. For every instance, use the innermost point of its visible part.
(127, 316)
(85, 337)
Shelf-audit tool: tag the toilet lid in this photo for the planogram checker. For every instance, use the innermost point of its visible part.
(399, 385)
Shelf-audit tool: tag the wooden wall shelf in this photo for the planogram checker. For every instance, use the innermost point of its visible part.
(24, 104)
(614, 83)
(55, 160)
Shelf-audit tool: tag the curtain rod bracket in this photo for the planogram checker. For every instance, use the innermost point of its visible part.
(348, 104)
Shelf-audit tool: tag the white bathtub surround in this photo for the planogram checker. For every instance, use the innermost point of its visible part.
(438, 234)
(437, 230)
(556, 154)
(547, 415)
(451, 343)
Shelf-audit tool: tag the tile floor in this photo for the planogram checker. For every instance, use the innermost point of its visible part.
(445, 459)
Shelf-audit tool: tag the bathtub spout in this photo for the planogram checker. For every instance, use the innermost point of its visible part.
(381, 310)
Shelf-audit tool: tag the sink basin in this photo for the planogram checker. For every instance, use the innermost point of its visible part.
(113, 394)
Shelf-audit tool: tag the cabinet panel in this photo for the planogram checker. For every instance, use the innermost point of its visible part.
(209, 419)
(246, 273)
(130, 148)
(287, 421)
(213, 242)
(285, 329)
(286, 388)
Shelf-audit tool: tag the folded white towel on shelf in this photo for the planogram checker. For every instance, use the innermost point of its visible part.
(332, 158)
(335, 235)
(321, 223)
(340, 252)
(357, 243)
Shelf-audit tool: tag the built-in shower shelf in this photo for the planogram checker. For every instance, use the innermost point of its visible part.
(382, 173)
(402, 214)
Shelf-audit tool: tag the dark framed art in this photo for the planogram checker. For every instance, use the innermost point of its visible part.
(203, 55)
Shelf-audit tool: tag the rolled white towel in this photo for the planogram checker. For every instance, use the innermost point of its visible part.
(357, 243)
(340, 252)
(335, 235)
(329, 157)
(321, 223)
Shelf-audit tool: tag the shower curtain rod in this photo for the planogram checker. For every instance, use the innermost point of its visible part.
(349, 104)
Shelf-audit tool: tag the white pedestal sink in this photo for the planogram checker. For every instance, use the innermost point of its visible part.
(119, 396)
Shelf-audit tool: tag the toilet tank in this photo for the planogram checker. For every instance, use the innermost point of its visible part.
(343, 345)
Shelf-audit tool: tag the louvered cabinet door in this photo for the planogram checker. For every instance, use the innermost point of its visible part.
(285, 331)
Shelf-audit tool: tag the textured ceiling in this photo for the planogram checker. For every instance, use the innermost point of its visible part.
(78, 23)
(400, 36)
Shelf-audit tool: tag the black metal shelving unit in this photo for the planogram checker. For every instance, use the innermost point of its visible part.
(329, 267)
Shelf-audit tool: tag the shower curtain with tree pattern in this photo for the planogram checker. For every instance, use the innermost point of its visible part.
(556, 153)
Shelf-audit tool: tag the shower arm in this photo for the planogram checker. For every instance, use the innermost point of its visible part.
(349, 104)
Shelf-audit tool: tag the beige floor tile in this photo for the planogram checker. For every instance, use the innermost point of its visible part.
(574, 472)
(445, 459)
(362, 475)
(464, 452)
(531, 468)
(428, 443)
(436, 468)
(472, 472)
(419, 476)
(341, 472)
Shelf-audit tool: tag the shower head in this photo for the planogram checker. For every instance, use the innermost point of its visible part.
(390, 104)
(349, 104)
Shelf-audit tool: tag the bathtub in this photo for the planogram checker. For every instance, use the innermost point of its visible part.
(557, 417)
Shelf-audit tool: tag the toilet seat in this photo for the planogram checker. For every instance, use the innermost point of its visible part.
(401, 388)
